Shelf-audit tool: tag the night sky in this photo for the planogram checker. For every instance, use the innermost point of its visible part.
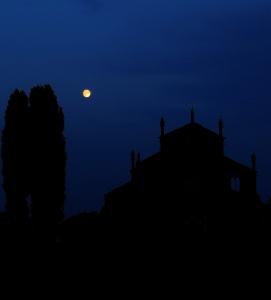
(142, 59)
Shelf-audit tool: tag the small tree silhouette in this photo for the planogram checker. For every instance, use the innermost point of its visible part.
(48, 157)
(15, 137)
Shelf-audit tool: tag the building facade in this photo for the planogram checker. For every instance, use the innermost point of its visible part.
(189, 181)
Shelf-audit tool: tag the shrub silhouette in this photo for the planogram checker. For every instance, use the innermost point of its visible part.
(15, 138)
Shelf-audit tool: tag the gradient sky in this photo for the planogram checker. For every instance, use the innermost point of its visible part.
(143, 59)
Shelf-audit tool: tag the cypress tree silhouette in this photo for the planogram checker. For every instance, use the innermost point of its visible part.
(48, 157)
(15, 157)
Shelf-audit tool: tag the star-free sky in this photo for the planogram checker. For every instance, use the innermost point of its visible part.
(142, 59)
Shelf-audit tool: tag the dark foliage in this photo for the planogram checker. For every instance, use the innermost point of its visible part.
(34, 158)
(48, 157)
(15, 156)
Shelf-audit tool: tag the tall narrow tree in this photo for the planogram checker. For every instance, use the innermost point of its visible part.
(48, 157)
(15, 157)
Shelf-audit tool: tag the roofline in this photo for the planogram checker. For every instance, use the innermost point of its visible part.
(193, 124)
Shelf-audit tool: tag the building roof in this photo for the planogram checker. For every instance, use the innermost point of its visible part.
(153, 161)
(230, 163)
(190, 128)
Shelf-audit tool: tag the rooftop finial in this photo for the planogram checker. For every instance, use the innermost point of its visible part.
(138, 159)
(221, 127)
(192, 115)
(162, 126)
(133, 158)
(254, 161)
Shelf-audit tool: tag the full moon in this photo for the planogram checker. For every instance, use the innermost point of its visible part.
(87, 93)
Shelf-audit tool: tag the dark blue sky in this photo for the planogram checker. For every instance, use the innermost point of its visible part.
(143, 59)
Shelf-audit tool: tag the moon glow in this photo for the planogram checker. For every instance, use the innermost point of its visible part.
(87, 93)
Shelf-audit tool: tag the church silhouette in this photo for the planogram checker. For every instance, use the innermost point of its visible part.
(189, 183)
(188, 190)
